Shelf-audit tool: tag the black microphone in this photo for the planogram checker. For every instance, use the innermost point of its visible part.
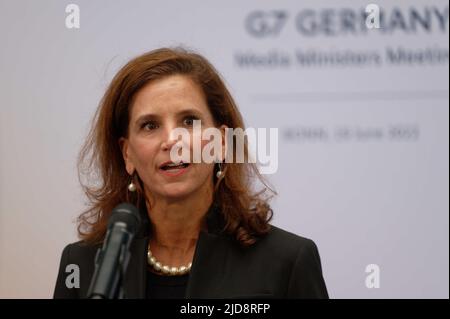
(112, 258)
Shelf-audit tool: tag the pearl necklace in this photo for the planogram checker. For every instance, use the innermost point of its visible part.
(167, 270)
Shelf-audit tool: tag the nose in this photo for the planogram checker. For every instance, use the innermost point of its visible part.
(169, 140)
(167, 144)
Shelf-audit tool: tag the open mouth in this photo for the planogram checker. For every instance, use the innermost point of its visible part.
(173, 169)
(173, 166)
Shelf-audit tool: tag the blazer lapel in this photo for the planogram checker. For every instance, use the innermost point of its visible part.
(210, 255)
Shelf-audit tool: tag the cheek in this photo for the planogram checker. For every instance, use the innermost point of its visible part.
(144, 151)
(204, 169)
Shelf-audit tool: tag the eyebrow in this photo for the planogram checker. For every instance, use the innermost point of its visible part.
(150, 116)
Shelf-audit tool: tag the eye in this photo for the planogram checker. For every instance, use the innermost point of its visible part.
(189, 120)
(149, 126)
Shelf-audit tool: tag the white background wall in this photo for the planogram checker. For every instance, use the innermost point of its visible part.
(362, 199)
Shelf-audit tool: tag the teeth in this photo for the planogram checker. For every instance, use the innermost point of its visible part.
(173, 164)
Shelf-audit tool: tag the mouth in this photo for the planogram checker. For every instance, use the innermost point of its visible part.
(174, 169)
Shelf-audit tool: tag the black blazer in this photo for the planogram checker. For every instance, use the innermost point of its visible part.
(279, 265)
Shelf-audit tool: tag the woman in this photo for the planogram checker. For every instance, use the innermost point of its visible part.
(202, 220)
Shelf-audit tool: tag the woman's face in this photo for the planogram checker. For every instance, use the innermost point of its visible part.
(158, 108)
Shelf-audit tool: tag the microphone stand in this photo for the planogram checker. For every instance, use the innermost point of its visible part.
(111, 264)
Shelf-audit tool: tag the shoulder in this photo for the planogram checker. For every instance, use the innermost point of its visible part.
(75, 270)
(287, 242)
(294, 251)
(278, 244)
(79, 251)
(79, 254)
(292, 266)
(301, 253)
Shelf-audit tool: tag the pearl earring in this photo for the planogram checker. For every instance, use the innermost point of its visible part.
(220, 173)
(132, 186)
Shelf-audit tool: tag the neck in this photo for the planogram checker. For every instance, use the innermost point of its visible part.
(176, 224)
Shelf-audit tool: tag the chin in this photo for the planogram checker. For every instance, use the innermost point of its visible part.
(177, 191)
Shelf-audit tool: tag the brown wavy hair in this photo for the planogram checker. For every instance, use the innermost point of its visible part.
(101, 167)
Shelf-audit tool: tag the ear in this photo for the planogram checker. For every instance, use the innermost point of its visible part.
(223, 128)
(125, 148)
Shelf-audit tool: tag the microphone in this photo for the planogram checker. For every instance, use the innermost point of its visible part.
(112, 258)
